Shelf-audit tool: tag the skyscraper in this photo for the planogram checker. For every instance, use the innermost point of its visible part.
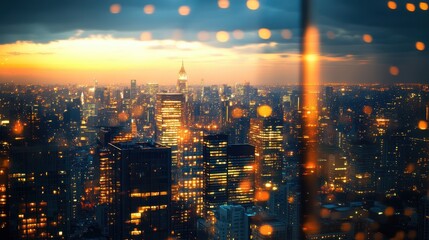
(169, 123)
(423, 218)
(232, 223)
(241, 174)
(4, 202)
(182, 85)
(215, 172)
(142, 190)
(266, 134)
(133, 91)
(39, 192)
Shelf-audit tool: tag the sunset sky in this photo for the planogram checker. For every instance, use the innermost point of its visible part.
(75, 42)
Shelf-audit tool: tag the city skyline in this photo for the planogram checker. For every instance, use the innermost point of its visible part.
(217, 120)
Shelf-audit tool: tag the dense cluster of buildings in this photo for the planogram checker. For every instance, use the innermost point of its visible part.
(210, 162)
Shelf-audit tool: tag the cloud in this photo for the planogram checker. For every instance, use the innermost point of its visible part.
(42, 21)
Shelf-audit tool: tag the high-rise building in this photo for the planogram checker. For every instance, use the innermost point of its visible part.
(4, 208)
(284, 203)
(423, 219)
(231, 223)
(266, 134)
(363, 159)
(142, 190)
(191, 178)
(182, 85)
(169, 123)
(39, 192)
(241, 174)
(265, 227)
(133, 91)
(215, 155)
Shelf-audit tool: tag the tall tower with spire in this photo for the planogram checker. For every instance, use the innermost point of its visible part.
(182, 81)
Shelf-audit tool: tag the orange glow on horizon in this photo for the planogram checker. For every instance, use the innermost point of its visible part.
(112, 60)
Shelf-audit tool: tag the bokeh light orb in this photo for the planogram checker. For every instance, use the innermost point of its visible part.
(266, 230)
(410, 7)
(238, 34)
(149, 9)
(392, 5)
(115, 8)
(123, 116)
(203, 36)
(423, 125)
(223, 3)
(264, 111)
(394, 70)
(184, 10)
(222, 36)
(252, 4)
(18, 128)
(262, 196)
(264, 33)
(237, 113)
(286, 34)
(367, 38)
(367, 110)
(420, 46)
